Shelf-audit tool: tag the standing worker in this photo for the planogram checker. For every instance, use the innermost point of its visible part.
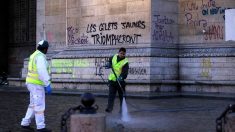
(119, 64)
(37, 81)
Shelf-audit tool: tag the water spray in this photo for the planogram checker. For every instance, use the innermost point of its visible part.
(125, 116)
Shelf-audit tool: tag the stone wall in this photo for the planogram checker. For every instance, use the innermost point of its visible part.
(206, 59)
(84, 34)
(171, 44)
(164, 40)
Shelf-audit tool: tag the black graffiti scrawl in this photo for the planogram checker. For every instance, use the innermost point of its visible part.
(100, 38)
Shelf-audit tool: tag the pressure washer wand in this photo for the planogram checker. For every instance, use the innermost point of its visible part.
(100, 74)
(124, 93)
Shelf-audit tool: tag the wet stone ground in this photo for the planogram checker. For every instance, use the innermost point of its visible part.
(156, 115)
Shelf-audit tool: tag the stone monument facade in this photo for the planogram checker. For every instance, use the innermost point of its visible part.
(172, 45)
(206, 60)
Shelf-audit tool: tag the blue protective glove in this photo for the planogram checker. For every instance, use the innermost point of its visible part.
(48, 89)
(120, 78)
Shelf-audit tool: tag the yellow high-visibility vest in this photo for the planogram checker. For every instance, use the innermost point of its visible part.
(117, 67)
(33, 76)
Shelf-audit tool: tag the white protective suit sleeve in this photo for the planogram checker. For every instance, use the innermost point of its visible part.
(42, 66)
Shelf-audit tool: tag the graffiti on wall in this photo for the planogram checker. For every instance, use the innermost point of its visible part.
(102, 33)
(70, 63)
(99, 64)
(214, 11)
(194, 20)
(137, 71)
(206, 68)
(101, 38)
(113, 39)
(194, 16)
(215, 32)
(190, 6)
(75, 68)
(74, 39)
(209, 7)
(66, 65)
(160, 32)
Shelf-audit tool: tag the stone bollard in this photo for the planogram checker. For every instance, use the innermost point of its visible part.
(229, 124)
(226, 121)
(87, 120)
(88, 123)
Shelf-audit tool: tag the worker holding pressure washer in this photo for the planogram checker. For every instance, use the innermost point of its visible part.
(120, 66)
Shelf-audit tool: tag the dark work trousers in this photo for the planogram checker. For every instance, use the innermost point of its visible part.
(113, 89)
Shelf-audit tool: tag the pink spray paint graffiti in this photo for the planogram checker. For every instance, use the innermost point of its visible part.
(74, 39)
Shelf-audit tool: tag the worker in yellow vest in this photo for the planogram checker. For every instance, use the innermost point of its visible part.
(119, 64)
(37, 82)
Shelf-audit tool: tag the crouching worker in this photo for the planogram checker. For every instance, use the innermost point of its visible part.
(37, 81)
(120, 66)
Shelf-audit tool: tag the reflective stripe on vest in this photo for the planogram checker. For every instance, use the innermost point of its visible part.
(32, 76)
(117, 67)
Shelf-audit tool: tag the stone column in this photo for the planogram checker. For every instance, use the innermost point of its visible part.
(88, 123)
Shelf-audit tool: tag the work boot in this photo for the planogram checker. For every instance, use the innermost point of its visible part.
(44, 130)
(27, 129)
